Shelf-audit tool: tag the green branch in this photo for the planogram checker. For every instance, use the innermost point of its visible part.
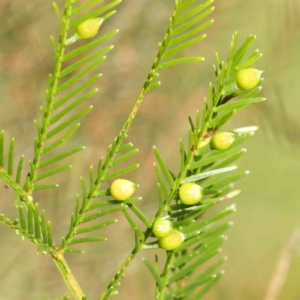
(68, 276)
(122, 134)
(115, 281)
(50, 95)
(15, 186)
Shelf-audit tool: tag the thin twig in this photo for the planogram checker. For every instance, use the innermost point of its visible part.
(283, 265)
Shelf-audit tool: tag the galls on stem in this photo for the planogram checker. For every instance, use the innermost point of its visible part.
(190, 193)
(222, 140)
(162, 228)
(248, 79)
(172, 241)
(122, 189)
(86, 30)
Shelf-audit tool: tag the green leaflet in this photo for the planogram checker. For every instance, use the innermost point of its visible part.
(216, 157)
(32, 226)
(89, 46)
(220, 183)
(124, 157)
(163, 167)
(183, 33)
(87, 240)
(198, 262)
(104, 203)
(2, 143)
(121, 172)
(85, 6)
(94, 13)
(208, 286)
(178, 61)
(96, 227)
(59, 157)
(202, 224)
(10, 167)
(153, 272)
(238, 104)
(72, 106)
(69, 72)
(204, 175)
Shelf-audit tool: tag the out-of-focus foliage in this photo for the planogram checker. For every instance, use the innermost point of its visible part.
(268, 208)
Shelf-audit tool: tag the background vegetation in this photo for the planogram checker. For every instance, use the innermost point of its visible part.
(268, 209)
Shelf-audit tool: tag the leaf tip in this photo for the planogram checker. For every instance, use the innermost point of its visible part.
(232, 207)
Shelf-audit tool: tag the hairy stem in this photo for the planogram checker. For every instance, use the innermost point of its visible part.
(51, 93)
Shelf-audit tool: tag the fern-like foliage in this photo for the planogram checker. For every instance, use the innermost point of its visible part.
(201, 164)
(33, 226)
(186, 26)
(70, 86)
(178, 38)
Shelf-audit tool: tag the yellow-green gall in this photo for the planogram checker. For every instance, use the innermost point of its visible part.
(88, 28)
(122, 189)
(190, 193)
(248, 79)
(162, 228)
(222, 140)
(172, 241)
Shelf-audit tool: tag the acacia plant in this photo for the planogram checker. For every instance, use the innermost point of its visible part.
(204, 179)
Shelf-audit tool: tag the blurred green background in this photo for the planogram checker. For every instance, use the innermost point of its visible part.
(269, 206)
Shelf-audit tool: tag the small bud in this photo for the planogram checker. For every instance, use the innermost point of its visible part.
(162, 228)
(190, 193)
(122, 189)
(88, 28)
(222, 140)
(172, 241)
(248, 79)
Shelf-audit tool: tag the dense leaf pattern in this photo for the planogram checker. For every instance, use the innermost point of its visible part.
(70, 86)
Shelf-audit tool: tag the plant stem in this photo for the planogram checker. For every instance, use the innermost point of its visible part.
(159, 214)
(114, 282)
(51, 93)
(122, 135)
(281, 271)
(14, 185)
(68, 276)
(165, 275)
